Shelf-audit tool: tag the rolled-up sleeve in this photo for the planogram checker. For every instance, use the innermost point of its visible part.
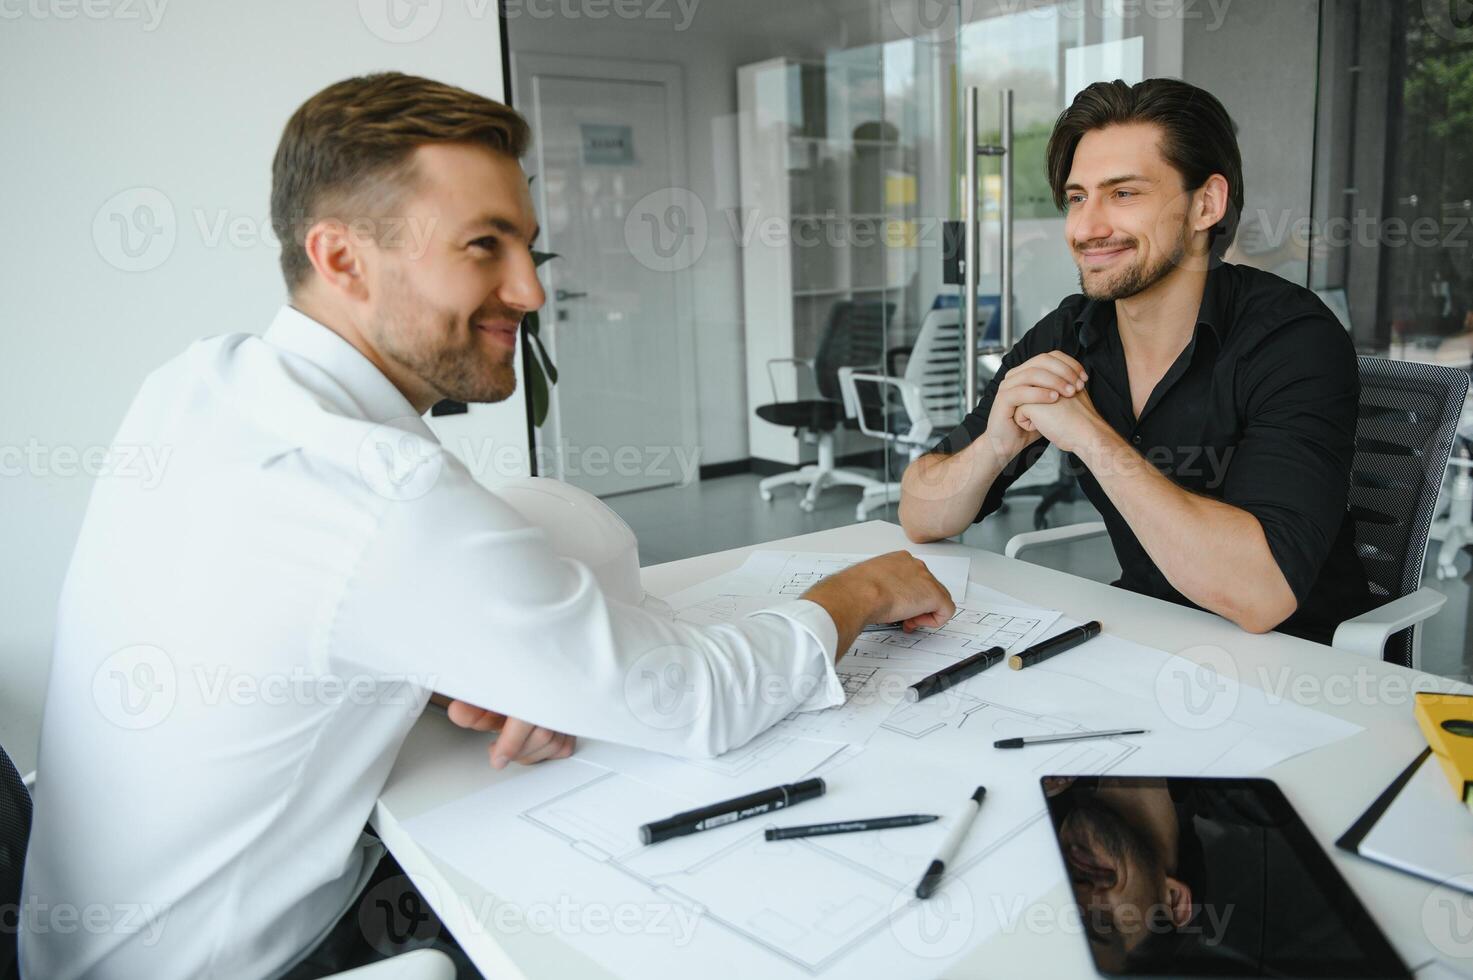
(1291, 467)
(457, 594)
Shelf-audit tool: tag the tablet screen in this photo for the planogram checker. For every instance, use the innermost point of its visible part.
(1190, 876)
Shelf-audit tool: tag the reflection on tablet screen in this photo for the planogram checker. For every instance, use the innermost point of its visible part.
(1187, 876)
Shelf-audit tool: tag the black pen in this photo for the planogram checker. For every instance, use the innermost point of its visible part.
(1055, 645)
(960, 824)
(953, 675)
(730, 811)
(849, 826)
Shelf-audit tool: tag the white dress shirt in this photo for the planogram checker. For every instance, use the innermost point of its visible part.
(243, 644)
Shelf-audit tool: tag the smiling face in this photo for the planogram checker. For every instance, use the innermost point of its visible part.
(446, 294)
(1129, 220)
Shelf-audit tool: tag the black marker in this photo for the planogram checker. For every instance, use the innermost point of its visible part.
(1052, 647)
(849, 826)
(730, 811)
(960, 824)
(955, 674)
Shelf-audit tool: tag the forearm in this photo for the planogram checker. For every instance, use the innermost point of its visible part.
(940, 495)
(850, 605)
(1213, 553)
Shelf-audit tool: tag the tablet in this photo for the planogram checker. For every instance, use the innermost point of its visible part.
(1197, 877)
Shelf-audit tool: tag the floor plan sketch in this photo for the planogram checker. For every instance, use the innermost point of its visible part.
(812, 902)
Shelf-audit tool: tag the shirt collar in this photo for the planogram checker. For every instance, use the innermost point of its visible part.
(374, 395)
(1097, 317)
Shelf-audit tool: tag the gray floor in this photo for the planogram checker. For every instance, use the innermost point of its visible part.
(713, 515)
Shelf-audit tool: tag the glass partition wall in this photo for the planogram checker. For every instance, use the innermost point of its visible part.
(758, 209)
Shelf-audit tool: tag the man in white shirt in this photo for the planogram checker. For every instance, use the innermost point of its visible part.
(242, 647)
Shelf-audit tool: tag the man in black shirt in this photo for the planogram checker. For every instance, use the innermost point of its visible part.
(1208, 409)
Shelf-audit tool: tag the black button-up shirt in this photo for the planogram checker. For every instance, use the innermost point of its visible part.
(1259, 412)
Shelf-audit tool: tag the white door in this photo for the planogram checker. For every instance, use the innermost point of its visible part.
(607, 161)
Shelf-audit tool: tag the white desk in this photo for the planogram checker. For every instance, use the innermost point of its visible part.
(1329, 787)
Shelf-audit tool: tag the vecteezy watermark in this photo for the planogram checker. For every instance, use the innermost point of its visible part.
(397, 914)
(937, 927)
(940, 21)
(1198, 689)
(1447, 917)
(667, 230)
(119, 461)
(136, 687)
(1209, 922)
(399, 464)
(137, 229)
(407, 21)
(1263, 231)
(148, 12)
(1359, 686)
(1451, 20)
(140, 686)
(93, 918)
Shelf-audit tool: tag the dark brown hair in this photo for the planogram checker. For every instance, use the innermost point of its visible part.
(1198, 137)
(346, 152)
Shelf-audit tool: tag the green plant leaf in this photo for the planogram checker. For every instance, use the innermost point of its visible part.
(532, 323)
(546, 360)
(538, 258)
(536, 382)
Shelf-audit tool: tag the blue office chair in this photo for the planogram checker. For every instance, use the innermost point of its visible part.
(1404, 432)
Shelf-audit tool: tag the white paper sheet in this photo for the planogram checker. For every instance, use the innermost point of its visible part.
(727, 902)
(880, 665)
(1426, 830)
(791, 573)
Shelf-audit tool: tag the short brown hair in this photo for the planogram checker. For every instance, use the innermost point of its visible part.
(346, 152)
(1199, 137)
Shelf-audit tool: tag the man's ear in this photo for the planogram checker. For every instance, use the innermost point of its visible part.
(1178, 901)
(336, 257)
(1212, 203)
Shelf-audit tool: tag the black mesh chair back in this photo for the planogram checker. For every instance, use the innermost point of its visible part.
(854, 337)
(1403, 436)
(15, 830)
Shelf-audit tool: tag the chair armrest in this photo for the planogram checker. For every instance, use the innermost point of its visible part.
(30, 780)
(807, 362)
(418, 964)
(1028, 540)
(910, 398)
(1367, 633)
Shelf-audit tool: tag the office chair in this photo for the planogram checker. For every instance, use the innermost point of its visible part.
(853, 337)
(915, 409)
(912, 411)
(15, 831)
(1403, 437)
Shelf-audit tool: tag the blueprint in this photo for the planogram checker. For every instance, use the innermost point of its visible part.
(788, 574)
(727, 902)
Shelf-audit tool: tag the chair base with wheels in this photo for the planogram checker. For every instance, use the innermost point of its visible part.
(816, 476)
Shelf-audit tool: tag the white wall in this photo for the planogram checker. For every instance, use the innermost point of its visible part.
(183, 101)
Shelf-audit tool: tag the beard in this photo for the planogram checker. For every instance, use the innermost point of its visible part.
(1135, 279)
(441, 348)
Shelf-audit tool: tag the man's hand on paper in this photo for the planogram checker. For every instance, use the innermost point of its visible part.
(897, 587)
(518, 741)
